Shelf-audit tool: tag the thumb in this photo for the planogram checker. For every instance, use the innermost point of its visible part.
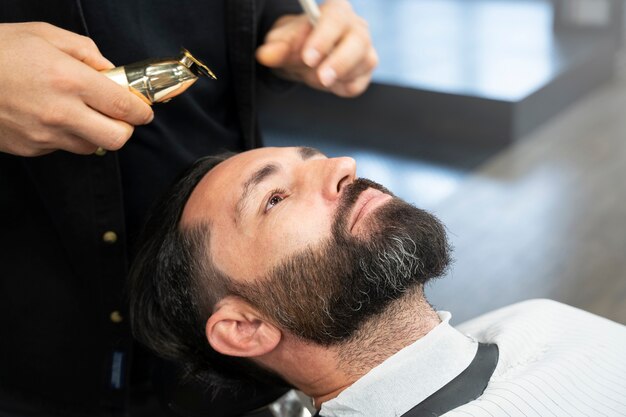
(273, 54)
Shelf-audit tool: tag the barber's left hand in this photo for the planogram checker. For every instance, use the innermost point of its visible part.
(336, 55)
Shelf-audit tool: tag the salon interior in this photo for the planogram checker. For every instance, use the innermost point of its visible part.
(506, 119)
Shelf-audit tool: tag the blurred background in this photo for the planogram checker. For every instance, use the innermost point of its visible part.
(506, 119)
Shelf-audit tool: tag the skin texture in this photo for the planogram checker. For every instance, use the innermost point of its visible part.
(55, 98)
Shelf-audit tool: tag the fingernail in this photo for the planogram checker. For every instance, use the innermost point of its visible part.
(311, 57)
(328, 76)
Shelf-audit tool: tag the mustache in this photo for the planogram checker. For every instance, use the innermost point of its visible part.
(350, 195)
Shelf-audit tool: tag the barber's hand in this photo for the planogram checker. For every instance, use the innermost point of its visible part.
(53, 97)
(336, 55)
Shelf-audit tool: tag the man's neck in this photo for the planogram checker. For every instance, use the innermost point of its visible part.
(324, 372)
(402, 323)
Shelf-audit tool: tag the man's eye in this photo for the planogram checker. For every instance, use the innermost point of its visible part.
(276, 197)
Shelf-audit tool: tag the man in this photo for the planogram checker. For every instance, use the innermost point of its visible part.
(280, 264)
(74, 189)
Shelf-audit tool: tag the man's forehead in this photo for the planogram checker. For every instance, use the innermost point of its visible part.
(227, 179)
(235, 171)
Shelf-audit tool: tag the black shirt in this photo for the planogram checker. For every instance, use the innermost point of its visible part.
(199, 122)
(65, 342)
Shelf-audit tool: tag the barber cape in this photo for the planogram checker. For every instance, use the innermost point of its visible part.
(553, 360)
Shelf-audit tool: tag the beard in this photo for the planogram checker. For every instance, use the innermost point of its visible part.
(325, 293)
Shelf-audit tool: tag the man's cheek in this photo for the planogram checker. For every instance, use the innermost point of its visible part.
(226, 257)
(316, 227)
(297, 233)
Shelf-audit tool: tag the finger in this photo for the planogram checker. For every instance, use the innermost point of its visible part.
(365, 67)
(59, 140)
(100, 130)
(274, 54)
(74, 144)
(345, 58)
(289, 29)
(284, 41)
(352, 88)
(331, 26)
(105, 96)
(80, 47)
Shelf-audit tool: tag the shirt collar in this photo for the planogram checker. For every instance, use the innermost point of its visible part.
(408, 377)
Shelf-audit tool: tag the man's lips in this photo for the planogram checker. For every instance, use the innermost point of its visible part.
(367, 202)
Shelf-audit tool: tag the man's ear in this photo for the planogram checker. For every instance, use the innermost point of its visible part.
(237, 329)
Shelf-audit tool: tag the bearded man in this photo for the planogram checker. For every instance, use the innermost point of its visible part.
(280, 266)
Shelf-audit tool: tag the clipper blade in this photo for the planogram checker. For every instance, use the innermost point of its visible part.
(197, 66)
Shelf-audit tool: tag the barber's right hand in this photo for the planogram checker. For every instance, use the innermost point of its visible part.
(53, 97)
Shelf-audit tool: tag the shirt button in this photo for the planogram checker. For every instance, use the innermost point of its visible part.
(116, 317)
(100, 151)
(109, 237)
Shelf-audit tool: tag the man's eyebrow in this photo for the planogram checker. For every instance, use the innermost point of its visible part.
(255, 179)
(308, 152)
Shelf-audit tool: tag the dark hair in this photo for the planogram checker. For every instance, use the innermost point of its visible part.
(171, 280)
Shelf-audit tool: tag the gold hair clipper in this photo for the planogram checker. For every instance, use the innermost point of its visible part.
(159, 80)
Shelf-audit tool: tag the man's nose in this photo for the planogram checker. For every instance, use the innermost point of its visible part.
(339, 173)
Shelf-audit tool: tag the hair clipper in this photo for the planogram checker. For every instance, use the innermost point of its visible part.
(159, 80)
